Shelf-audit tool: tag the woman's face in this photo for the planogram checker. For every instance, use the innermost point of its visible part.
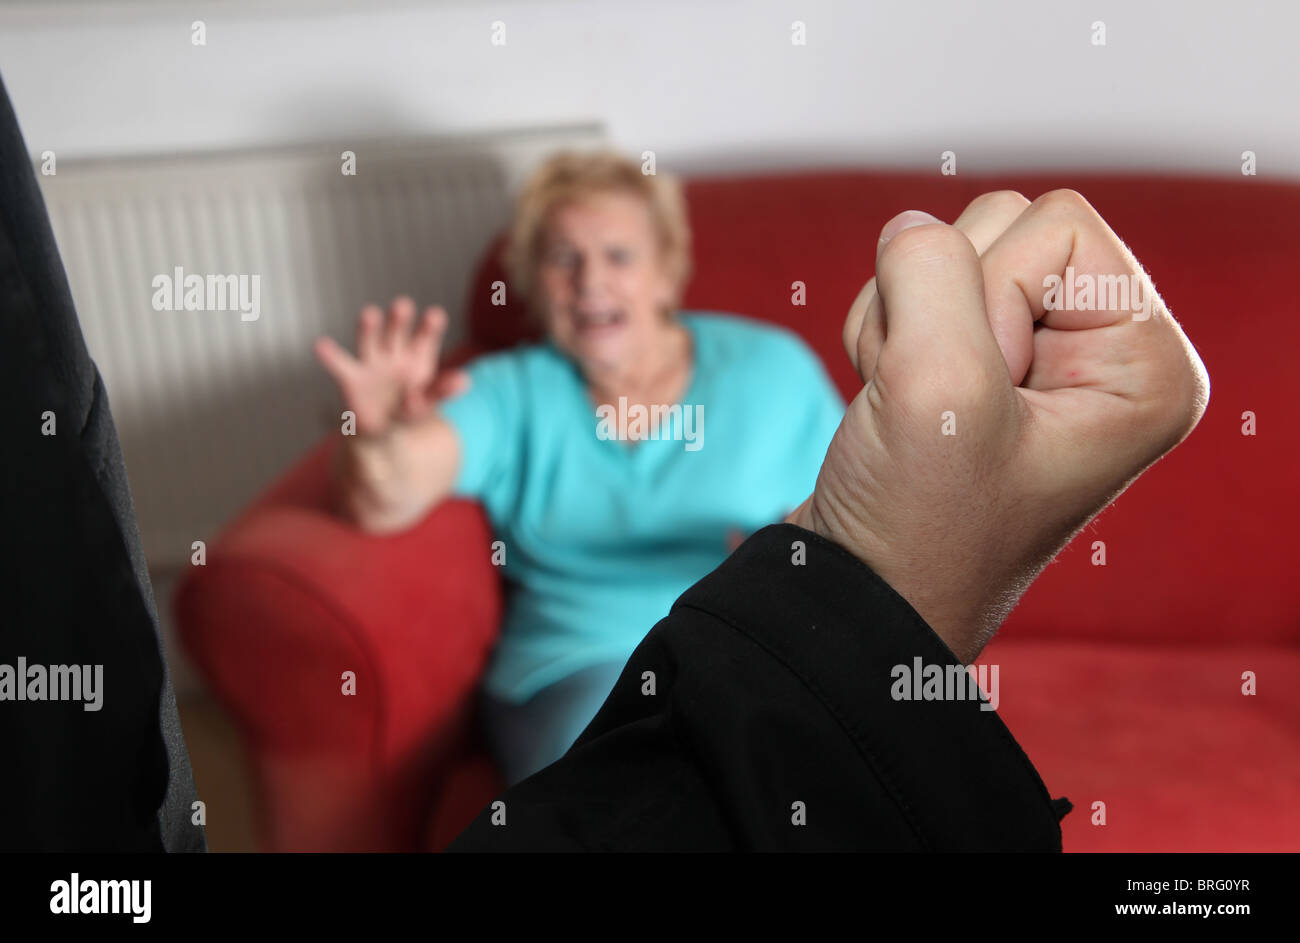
(601, 280)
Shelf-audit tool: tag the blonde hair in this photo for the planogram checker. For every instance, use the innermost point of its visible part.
(571, 176)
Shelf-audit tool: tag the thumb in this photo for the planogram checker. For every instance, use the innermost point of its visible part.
(450, 383)
(931, 289)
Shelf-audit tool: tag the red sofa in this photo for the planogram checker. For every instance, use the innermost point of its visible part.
(1123, 682)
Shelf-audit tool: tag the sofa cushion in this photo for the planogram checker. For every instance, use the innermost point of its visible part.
(1194, 550)
(1182, 759)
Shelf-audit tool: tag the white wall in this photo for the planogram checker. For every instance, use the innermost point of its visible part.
(705, 83)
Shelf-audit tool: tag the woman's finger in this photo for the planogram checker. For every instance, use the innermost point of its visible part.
(368, 327)
(450, 383)
(400, 314)
(336, 360)
(426, 342)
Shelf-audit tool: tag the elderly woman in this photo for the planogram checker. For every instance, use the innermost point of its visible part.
(616, 459)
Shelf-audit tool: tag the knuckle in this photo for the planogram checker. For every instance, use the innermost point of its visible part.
(1180, 388)
(999, 202)
(1065, 201)
(931, 243)
(1188, 405)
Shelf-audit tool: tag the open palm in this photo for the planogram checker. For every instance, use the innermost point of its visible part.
(394, 376)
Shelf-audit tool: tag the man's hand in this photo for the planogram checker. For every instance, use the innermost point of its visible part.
(991, 429)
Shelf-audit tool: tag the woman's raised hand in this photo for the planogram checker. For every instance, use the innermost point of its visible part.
(394, 377)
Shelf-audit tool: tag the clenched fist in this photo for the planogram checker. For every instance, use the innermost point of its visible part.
(999, 414)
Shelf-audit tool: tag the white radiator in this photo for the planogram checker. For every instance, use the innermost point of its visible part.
(211, 404)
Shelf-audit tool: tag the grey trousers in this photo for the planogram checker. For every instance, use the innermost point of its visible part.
(527, 737)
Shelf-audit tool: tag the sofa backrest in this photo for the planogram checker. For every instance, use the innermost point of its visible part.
(1199, 550)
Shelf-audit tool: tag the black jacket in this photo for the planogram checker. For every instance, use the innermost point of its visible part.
(75, 586)
(759, 715)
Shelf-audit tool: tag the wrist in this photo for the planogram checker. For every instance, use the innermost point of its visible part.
(367, 466)
(954, 610)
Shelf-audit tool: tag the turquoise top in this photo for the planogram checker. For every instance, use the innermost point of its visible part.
(601, 535)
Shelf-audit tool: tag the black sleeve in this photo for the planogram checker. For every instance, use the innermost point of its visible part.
(761, 714)
(75, 588)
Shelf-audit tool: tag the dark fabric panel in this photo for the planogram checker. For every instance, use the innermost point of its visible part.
(75, 587)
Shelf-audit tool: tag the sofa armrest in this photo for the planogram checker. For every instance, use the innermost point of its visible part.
(290, 599)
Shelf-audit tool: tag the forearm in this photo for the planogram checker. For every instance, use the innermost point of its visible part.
(387, 483)
(763, 714)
